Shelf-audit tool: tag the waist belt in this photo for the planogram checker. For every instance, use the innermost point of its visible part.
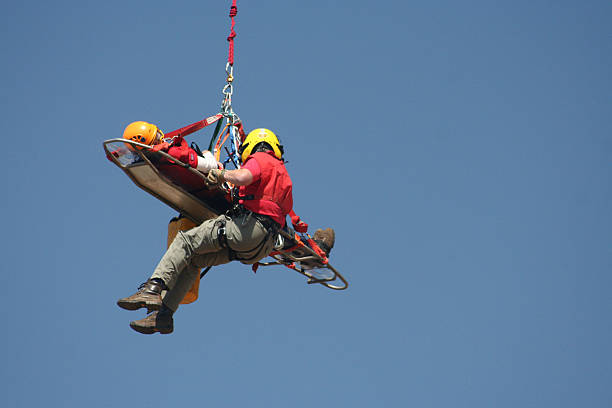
(266, 221)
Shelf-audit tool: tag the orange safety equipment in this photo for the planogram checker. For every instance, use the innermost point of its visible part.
(256, 137)
(143, 132)
(175, 225)
(272, 194)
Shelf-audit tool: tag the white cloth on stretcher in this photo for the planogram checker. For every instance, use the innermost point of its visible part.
(206, 162)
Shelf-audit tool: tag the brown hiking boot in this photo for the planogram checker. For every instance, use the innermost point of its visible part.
(158, 321)
(325, 239)
(148, 295)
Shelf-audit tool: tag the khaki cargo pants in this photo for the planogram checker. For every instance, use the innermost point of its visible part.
(248, 241)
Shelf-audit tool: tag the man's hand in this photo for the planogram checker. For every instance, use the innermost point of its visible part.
(161, 146)
(215, 177)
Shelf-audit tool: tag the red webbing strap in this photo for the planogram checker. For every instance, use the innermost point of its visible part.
(232, 14)
(288, 250)
(189, 129)
(298, 224)
(241, 131)
(299, 244)
(312, 244)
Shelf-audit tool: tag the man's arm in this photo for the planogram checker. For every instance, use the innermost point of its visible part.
(249, 173)
(239, 177)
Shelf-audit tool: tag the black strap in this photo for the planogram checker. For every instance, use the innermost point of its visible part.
(270, 232)
(222, 239)
(205, 271)
(236, 197)
(271, 226)
(197, 149)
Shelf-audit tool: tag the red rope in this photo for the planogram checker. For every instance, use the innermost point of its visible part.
(232, 14)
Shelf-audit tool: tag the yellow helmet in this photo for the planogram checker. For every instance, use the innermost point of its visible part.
(256, 137)
(143, 132)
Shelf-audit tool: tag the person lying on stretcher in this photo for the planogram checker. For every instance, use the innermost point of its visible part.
(149, 134)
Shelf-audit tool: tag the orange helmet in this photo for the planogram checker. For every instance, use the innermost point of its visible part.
(143, 132)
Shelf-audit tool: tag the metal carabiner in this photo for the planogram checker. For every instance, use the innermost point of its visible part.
(229, 70)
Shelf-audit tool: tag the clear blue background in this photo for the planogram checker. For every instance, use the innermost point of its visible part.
(461, 150)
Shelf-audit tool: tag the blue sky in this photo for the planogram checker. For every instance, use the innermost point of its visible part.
(460, 150)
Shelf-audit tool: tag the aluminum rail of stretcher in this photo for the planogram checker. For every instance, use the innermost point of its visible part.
(146, 176)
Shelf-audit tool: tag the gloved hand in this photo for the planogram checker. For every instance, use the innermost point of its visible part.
(215, 177)
(300, 226)
(161, 146)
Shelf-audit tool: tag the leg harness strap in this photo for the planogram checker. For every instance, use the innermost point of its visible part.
(271, 227)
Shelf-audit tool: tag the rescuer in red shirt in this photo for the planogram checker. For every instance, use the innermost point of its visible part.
(246, 234)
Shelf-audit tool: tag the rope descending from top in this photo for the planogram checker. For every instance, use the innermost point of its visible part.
(233, 128)
(228, 89)
(232, 14)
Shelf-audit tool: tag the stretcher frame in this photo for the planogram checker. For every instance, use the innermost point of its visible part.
(147, 177)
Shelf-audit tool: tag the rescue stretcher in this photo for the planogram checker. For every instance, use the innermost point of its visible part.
(183, 188)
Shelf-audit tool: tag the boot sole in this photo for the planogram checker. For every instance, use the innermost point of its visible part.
(127, 305)
(150, 330)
